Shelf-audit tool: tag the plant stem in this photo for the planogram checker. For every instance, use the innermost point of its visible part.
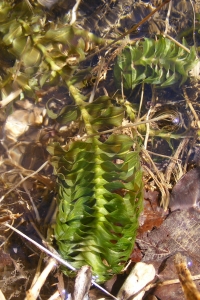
(79, 101)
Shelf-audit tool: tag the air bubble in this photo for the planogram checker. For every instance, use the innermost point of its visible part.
(176, 121)
(189, 262)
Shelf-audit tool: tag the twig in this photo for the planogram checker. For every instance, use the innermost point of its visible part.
(141, 100)
(134, 28)
(147, 130)
(176, 42)
(57, 257)
(55, 296)
(167, 18)
(34, 291)
(189, 103)
(10, 98)
(164, 116)
(168, 282)
(74, 10)
(31, 199)
(46, 181)
(37, 273)
(4, 242)
(97, 80)
(188, 286)
(25, 178)
(164, 191)
(9, 216)
(165, 156)
(171, 165)
(193, 31)
(161, 183)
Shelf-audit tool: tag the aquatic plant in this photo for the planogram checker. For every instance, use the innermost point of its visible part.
(39, 49)
(99, 192)
(36, 49)
(99, 182)
(99, 178)
(155, 61)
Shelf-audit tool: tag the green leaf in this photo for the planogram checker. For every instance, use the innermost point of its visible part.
(170, 81)
(67, 113)
(95, 225)
(15, 30)
(148, 48)
(153, 61)
(19, 46)
(31, 57)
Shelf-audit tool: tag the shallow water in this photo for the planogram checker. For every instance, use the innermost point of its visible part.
(26, 150)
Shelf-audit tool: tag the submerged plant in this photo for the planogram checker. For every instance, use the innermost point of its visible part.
(99, 178)
(39, 49)
(99, 193)
(36, 49)
(160, 62)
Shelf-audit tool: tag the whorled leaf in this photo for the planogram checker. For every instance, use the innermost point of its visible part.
(100, 199)
(44, 49)
(160, 62)
(103, 111)
(99, 187)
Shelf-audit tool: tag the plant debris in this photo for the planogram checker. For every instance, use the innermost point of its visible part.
(99, 118)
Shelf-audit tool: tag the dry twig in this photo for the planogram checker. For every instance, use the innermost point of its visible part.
(188, 286)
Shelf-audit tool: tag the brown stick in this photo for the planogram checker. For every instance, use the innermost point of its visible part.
(185, 277)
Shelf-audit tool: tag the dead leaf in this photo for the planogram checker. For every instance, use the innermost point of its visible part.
(186, 193)
(153, 215)
(178, 233)
(5, 259)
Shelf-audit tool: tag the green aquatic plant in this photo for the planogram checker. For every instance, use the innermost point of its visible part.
(99, 177)
(100, 191)
(160, 62)
(38, 48)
